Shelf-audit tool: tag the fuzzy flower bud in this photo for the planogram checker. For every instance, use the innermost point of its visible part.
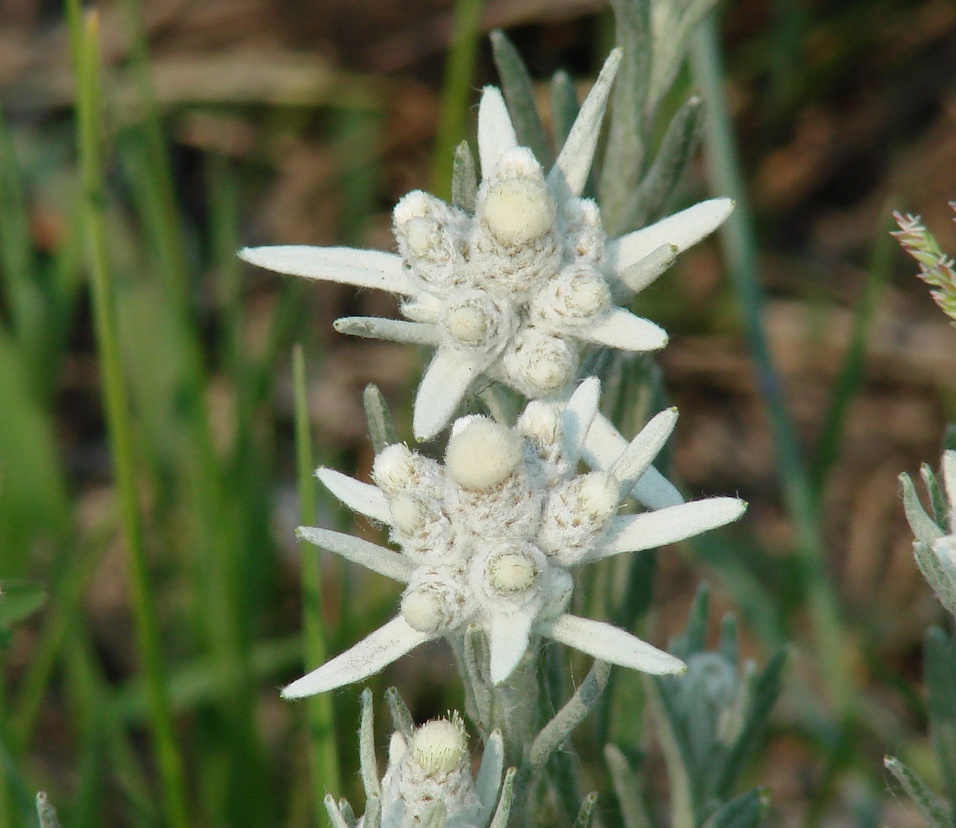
(472, 319)
(440, 746)
(575, 514)
(518, 211)
(433, 602)
(538, 364)
(511, 572)
(577, 294)
(399, 469)
(483, 455)
(408, 513)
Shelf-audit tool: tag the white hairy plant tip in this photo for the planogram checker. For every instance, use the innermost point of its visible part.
(394, 468)
(518, 211)
(577, 293)
(494, 536)
(538, 363)
(440, 746)
(483, 455)
(511, 572)
(467, 323)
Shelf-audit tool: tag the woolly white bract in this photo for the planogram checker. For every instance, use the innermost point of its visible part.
(492, 536)
(513, 286)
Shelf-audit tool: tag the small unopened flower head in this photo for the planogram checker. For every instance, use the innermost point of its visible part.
(397, 468)
(577, 294)
(408, 513)
(575, 515)
(511, 572)
(584, 232)
(508, 578)
(429, 233)
(434, 602)
(440, 746)
(598, 494)
(483, 455)
(538, 364)
(473, 319)
(518, 208)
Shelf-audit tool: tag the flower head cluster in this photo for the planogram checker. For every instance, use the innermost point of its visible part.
(513, 285)
(934, 545)
(492, 537)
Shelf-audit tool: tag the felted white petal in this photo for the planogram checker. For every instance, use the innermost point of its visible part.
(394, 330)
(683, 230)
(373, 653)
(508, 637)
(621, 329)
(570, 171)
(348, 265)
(636, 459)
(445, 383)
(648, 530)
(577, 416)
(371, 556)
(360, 497)
(496, 134)
(488, 781)
(611, 644)
(604, 445)
(644, 271)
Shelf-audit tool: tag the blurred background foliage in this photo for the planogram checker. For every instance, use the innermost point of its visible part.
(243, 122)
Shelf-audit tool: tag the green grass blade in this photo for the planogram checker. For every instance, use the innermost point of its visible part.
(84, 38)
(740, 247)
(459, 75)
(848, 383)
(320, 711)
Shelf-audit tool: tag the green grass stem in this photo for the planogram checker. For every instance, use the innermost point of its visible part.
(456, 95)
(323, 757)
(741, 251)
(84, 35)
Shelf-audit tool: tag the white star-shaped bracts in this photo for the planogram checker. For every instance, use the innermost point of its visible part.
(492, 538)
(514, 289)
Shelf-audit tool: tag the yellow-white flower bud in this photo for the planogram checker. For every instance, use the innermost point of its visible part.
(538, 364)
(483, 454)
(511, 572)
(598, 494)
(394, 468)
(518, 210)
(440, 746)
(467, 324)
(408, 513)
(422, 234)
(424, 610)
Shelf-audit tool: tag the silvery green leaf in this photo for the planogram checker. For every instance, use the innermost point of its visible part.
(949, 483)
(645, 271)
(672, 25)
(390, 330)
(575, 710)
(370, 555)
(345, 808)
(940, 676)
(930, 808)
(373, 813)
(367, 761)
(641, 451)
(937, 497)
(433, 815)
(475, 657)
(496, 133)
(746, 811)
(647, 200)
(564, 106)
(360, 497)
(335, 815)
(488, 781)
(381, 426)
(586, 813)
(401, 715)
(519, 93)
(627, 787)
(624, 152)
(729, 640)
(503, 811)
(923, 526)
(937, 572)
(464, 179)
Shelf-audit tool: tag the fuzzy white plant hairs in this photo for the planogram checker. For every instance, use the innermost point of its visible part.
(514, 284)
(492, 538)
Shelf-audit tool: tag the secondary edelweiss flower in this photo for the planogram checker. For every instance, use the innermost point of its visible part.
(515, 284)
(492, 537)
(935, 543)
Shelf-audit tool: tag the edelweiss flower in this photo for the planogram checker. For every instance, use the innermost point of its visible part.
(513, 286)
(492, 537)
(935, 543)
